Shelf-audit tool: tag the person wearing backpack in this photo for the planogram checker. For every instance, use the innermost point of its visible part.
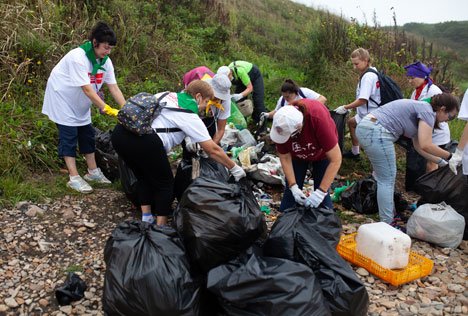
(290, 91)
(306, 136)
(418, 76)
(247, 79)
(146, 154)
(378, 131)
(73, 86)
(367, 97)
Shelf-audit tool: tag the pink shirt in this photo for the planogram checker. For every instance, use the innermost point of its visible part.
(318, 135)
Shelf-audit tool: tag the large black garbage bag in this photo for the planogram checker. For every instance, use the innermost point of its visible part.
(208, 168)
(415, 167)
(106, 156)
(344, 293)
(218, 220)
(442, 185)
(128, 182)
(340, 122)
(254, 285)
(148, 273)
(362, 197)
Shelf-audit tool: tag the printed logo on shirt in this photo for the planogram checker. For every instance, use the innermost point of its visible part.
(377, 84)
(97, 79)
(307, 151)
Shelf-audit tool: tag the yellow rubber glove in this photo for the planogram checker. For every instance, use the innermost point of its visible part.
(110, 111)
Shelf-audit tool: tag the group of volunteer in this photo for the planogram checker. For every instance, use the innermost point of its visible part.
(302, 128)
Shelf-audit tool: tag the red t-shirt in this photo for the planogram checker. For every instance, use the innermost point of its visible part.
(317, 137)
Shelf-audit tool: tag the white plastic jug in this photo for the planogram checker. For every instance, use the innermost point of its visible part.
(384, 244)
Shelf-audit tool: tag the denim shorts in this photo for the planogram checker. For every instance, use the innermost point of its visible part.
(70, 136)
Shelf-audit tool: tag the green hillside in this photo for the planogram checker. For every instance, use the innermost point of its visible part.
(158, 41)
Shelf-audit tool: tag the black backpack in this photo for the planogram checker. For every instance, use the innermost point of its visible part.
(389, 90)
(140, 110)
(283, 101)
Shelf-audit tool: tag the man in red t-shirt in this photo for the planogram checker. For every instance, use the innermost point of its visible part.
(306, 134)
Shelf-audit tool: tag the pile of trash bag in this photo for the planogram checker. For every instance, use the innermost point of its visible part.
(106, 157)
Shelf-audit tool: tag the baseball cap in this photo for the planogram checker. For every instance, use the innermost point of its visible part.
(286, 121)
(221, 86)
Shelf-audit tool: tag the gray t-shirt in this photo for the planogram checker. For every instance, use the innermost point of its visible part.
(401, 117)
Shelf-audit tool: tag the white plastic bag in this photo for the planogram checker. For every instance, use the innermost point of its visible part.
(439, 224)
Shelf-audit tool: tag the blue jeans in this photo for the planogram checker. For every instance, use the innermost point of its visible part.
(378, 143)
(300, 169)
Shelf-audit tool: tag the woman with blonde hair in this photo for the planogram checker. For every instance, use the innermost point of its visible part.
(146, 155)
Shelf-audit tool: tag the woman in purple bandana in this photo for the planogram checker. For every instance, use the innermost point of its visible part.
(419, 78)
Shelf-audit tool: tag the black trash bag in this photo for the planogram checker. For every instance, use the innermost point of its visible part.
(323, 220)
(415, 167)
(218, 220)
(148, 273)
(254, 285)
(340, 122)
(362, 197)
(128, 182)
(441, 185)
(209, 168)
(106, 157)
(72, 290)
(344, 293)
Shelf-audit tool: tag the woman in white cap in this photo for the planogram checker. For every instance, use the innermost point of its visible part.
(305, 134)
(217, 111)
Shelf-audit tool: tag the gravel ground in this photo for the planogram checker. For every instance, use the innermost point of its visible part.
(40, 243)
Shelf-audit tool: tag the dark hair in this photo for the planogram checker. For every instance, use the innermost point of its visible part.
(290, 86)
(448, 100)
(103, 33)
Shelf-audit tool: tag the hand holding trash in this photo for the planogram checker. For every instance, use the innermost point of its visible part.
(316, 198)
(263, 117)
(442, 163)
(455, 161)
(341, 110)
(298, 195)
(191, 146)
(109, 111)
(237, 172)
(237, 96)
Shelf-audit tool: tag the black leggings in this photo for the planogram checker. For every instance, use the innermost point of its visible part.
(258, 94)
(146, 157)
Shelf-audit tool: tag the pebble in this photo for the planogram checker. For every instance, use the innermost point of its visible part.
(362, 272)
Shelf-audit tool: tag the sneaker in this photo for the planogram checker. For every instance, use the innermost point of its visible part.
(349, 155)
(97, 176)
(80, 185)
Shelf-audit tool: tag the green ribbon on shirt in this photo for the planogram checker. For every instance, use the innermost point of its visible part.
(186, 101)
(89, 50)
(428, 100)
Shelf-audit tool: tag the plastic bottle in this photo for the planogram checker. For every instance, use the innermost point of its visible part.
(246, 138)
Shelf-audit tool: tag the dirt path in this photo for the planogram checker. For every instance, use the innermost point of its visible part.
(39, 243)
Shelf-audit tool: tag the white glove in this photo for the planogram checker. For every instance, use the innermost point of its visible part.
(341, 109)
(237, 96)
(190, 146)
(316, 198)
(237, 172)
(263, 118)
(298, 194)
(442, 163)
(456, 160)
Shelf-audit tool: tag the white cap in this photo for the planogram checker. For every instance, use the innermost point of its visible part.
(221, 86)
(286, 121)
(224, 70)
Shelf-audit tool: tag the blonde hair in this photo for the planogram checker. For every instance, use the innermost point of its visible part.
(202, 87)
(362, 54)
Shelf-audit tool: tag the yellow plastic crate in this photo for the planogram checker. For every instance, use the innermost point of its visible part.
(417, 267)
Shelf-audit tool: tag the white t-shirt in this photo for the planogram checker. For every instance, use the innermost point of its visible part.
(463, 114)
(308, 93)
(368, 88)
(441, 135)
(190, 124)
(64, 101)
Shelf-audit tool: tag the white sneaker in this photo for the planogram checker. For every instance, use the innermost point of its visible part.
(80, 185)
(97, 176)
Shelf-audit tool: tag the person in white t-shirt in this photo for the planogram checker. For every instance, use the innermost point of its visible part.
(461, 153)
(418, 76)
(72, 87)
(146, 155)
(290, 91)
(367, 97)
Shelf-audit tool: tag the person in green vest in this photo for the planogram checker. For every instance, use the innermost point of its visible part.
(247, 79)
(73, 86)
